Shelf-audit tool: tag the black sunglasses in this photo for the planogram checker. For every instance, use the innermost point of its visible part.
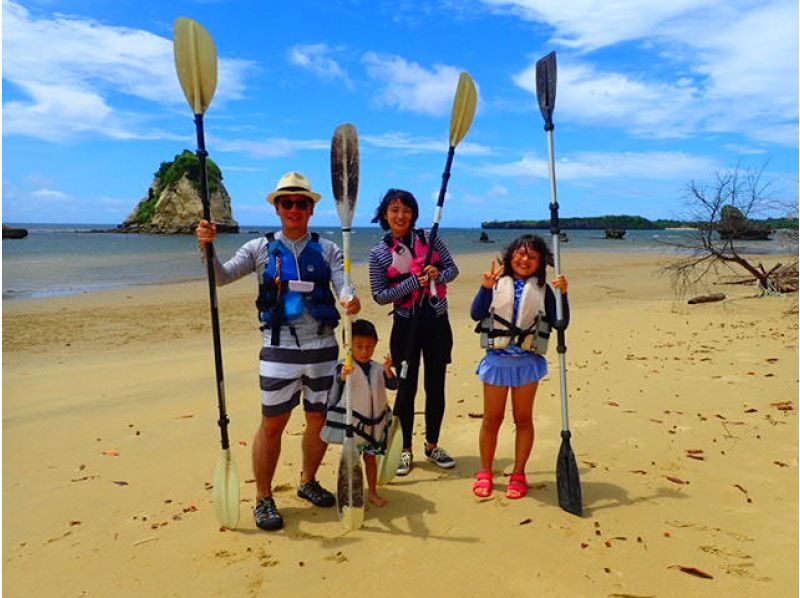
(288, 204)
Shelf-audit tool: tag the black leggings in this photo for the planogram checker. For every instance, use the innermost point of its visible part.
(434, 339)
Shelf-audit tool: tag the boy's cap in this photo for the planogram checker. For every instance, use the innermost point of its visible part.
(364, 328)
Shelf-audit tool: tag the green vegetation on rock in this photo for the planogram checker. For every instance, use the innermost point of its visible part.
(169, 173)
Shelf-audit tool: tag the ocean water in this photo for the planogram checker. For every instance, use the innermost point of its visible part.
(65, 259)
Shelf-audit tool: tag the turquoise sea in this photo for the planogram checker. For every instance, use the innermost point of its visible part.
(65, 259)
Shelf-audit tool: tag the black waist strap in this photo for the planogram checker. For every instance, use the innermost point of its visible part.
(359, 427)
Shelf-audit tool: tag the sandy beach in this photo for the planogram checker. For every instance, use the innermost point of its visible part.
(684, 421)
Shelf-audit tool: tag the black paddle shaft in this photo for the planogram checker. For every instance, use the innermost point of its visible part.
(212, 285)
(417, 308)
(439, 204)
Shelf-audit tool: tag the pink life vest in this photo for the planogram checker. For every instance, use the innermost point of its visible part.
(406, 264)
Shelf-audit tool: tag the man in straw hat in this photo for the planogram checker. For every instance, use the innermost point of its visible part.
(297, 309)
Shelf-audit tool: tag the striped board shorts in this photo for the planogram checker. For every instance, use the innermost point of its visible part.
(288, 371)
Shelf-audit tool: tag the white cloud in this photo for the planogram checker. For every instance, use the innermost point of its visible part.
(498, 191)
(70, 68)
(275, 147)
(649, 109)
(751, 66)
(744, 150)
(403, 142)
(235, 168)
(317, 59)
(603, 165)
(410, 87)
(49, 194)
(592, 24)
(736, 65)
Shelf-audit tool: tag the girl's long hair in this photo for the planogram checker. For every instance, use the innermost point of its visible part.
(405, 197)
(532, 243)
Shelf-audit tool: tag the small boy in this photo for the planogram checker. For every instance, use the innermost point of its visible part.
(369, 380)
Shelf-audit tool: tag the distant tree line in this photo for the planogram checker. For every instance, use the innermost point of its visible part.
(627, 223)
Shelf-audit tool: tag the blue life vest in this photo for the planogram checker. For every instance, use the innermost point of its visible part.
(277, 305)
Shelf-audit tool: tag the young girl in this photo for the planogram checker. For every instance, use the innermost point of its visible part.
(516, 298)
(397, 277)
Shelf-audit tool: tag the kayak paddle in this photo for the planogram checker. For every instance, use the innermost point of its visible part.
(196, 64)
(567, 479)
(344, 179)
(389, 461)
(464, 104)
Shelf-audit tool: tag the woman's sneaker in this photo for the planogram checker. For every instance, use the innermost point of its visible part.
(406, 463)
(266, 514)
(441, 457)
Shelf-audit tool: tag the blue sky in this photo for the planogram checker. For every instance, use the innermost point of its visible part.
(651, 95)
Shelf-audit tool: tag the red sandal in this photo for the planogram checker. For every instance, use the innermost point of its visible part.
(517, 486)
(484, 484)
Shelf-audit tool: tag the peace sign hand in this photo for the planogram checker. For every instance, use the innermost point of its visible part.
(491, 277)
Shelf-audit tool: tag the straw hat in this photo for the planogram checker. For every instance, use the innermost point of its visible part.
(293, 183)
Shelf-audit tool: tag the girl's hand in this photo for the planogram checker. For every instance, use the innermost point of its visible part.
(491, 277)
(560, 283)
(346, 371)
(206, 233)
(387, 366)
(432, 272)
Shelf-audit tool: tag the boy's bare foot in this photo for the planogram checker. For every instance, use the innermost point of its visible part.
(377, 500)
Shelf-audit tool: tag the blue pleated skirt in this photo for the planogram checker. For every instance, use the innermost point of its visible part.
(511, 368)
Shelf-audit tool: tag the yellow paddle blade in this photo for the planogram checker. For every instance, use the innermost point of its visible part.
(352, 517)
(226, 491)
(464, 105)
(196, 63)
(390, 461)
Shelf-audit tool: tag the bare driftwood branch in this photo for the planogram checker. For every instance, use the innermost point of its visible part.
(723, 210)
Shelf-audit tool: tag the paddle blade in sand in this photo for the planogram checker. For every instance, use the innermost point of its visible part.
(226, 491)
(196, 63)
(350, 486)
(344, 172)
(390, 460)
(464, 105)
(567, 479)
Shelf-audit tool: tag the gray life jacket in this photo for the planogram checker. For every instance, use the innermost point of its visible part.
(371, 412)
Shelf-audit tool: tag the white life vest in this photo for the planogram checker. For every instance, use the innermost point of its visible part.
(371, 410)
(529, 330)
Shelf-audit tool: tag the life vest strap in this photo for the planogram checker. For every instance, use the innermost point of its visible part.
(359, 427)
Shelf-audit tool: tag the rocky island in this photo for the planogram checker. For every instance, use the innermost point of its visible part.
(173, 203)
(11, 232)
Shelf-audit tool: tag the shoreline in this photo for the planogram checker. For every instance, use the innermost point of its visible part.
(651, 380)
(615, 247)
